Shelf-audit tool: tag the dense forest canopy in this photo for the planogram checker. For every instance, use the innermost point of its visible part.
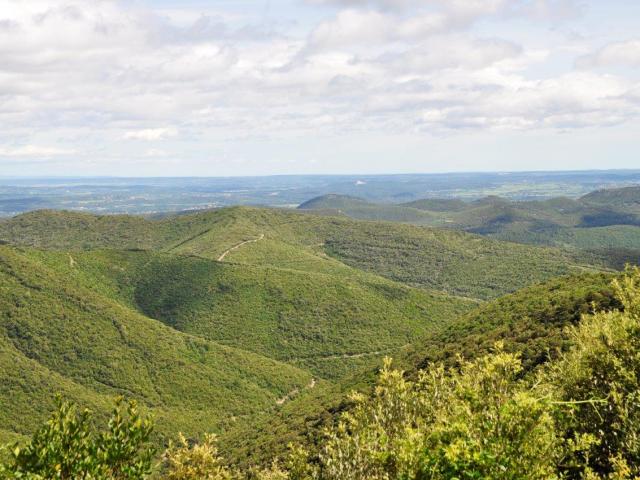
(251, 343)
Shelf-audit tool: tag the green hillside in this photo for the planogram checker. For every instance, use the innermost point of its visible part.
(325, 322)
(606, 221)
(438, 204)
(361, 209)
(531, 322)
(456, 263)
(269, 315)
(333, 202)
(493, 416)
(58, 336)
(627, 198)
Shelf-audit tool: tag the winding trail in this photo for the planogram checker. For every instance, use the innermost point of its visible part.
(338, 356)
(295, 392)
(235, 247)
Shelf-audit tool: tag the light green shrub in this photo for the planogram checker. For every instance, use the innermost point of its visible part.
(68, 446)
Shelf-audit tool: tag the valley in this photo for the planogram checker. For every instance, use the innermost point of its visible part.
(248, 321)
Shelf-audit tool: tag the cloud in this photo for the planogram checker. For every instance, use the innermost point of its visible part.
(473, 9)
(370, 27)
(34, 151)
(151, 134)
(447, 52)
(625, 53)
(384, 4)
(92, 74)
(156, 152)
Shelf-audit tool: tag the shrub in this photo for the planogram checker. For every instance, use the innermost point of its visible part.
(195, 462)
(600, 379)
(69, 447)
(474, 422)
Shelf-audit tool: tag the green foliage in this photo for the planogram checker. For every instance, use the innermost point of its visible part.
(442, 260)
(606, 221)
(475, 422)
(277, 331)
(577, 416)
(531, 322)
(56, 335)
(363, 210)
(627, 197)
(199, 461)
(69, 447)
(458, 263)
(604, 366)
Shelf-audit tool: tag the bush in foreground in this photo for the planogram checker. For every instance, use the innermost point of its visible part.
(69, 446)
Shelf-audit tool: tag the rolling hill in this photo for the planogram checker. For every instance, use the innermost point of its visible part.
(56, 335)
(627, 198)
(606, 222)
(343, 205)
(437, 259)
(531, 321)
(326, 323)
(270, 315)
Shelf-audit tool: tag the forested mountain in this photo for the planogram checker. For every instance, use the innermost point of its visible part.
(604, 222)
(255, 323)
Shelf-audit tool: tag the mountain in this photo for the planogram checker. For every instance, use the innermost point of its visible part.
(59, 335)
(627, 198)
(359, 208)
(605, 222)
(326, 322)
(438, 204)
(442, 260)
(270, 315)
(255, 323)
(458, 263)
(333, 202)
(531, 321)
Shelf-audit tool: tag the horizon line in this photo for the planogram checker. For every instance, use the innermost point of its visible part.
(356, 174)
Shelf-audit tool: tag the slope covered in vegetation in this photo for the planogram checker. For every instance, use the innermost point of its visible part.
(443, 260)
(531, 322)
(458, 263)
(606, 221)
(272, 314)
(59, 336)
(327, 322)
(576, 416)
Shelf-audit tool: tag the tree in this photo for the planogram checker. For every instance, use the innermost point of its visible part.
(599, 381)
(476, 421)
(194, 462)
(69, 447)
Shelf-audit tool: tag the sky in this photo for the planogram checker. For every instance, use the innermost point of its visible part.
(241, 87)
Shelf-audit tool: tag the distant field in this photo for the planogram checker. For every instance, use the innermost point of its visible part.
(159, 195)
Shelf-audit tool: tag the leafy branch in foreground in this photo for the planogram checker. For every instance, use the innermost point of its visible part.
(69, 447)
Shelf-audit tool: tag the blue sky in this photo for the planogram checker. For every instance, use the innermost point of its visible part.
(246, 87)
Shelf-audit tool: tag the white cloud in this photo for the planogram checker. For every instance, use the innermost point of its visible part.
(618, 54)
(91, 74)
(34, 151)
(156, 152)
(151, 134)
(471, 9)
